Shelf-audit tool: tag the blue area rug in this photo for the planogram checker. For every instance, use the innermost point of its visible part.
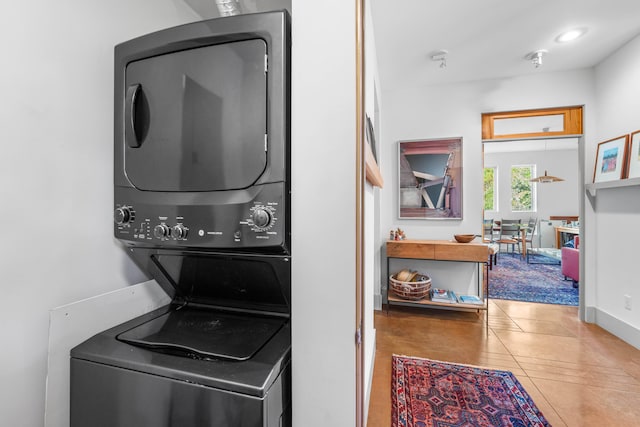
(514, 279)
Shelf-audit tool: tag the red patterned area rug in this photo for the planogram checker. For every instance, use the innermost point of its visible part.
(428, 393)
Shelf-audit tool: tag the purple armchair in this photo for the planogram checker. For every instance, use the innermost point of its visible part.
(571, 262)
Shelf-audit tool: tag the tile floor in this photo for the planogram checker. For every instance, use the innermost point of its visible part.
(577, 373)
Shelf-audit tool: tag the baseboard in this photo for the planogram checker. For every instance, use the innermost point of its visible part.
(617, 327)
(590, 314)
(367, 396)
(377, 301)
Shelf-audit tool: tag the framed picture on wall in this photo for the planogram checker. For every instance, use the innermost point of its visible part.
(633, 157)
(430, 179)
(371, 136)
(611, 159)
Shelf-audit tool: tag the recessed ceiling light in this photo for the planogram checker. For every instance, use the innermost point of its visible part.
(571, 35)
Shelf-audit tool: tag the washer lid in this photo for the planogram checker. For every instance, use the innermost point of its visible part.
(238, 282)
(205, 333)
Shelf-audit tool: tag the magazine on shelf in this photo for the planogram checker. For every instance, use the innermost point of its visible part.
(443, 295)
(470, 299)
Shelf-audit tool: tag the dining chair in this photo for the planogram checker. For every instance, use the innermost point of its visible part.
(488, 237)
(509, 233)
(487, 230)
(531, 228)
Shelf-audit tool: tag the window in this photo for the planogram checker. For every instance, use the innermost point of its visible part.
(522, 190)
(545, 122)
(490, 189)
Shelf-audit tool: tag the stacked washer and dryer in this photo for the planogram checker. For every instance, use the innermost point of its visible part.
(202, 205)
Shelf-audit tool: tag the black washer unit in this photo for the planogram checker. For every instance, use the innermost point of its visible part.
(194, 362)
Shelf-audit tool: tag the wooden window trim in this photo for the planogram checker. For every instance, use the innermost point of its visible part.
(572, 122)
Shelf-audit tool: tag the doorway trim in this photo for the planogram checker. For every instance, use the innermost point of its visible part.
(581, 209)
(359, 208)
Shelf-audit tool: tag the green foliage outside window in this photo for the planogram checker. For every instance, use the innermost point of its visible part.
(522, 197)
(489, 189)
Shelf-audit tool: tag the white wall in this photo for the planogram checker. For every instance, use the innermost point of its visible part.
(617, 210)
(454, 111)
(371, 267)
(323, 213)
(74, 323)
(56, 180)
(558, 198)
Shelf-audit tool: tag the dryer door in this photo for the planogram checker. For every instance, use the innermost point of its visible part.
(195, 120)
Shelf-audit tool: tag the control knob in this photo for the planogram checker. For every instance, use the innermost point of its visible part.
(123, 215)
(161, 231)
(261, 217)
(179, 232)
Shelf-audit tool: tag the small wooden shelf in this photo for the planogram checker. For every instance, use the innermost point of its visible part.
(428, 303)
(373, 174)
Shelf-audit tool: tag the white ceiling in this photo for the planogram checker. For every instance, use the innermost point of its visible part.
(489, 39)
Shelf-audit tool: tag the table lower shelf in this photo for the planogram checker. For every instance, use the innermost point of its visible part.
(392, 299)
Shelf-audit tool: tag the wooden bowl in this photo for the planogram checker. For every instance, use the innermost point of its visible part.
(464, 238)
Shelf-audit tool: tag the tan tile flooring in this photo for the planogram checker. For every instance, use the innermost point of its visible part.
(577, 373)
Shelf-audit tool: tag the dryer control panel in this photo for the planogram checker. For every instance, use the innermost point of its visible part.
(244, 221)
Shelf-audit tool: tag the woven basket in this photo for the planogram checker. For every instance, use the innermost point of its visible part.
(414, 290)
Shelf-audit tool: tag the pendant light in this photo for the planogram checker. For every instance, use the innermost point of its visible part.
(547, 178)
(543, 179)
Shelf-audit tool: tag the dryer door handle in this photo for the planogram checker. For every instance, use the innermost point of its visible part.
(136, 116)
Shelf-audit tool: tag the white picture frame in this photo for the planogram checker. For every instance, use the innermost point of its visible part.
(633, 156)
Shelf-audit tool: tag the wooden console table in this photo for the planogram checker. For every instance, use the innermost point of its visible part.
(440, 250)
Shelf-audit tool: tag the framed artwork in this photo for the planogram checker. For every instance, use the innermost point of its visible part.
(371, 136)
(430, 179)
(633, 157)
(611, 159)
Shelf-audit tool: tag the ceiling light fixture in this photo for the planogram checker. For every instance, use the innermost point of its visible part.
(544, 179)
(571, 35)
(536, 57)
(440, 55)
